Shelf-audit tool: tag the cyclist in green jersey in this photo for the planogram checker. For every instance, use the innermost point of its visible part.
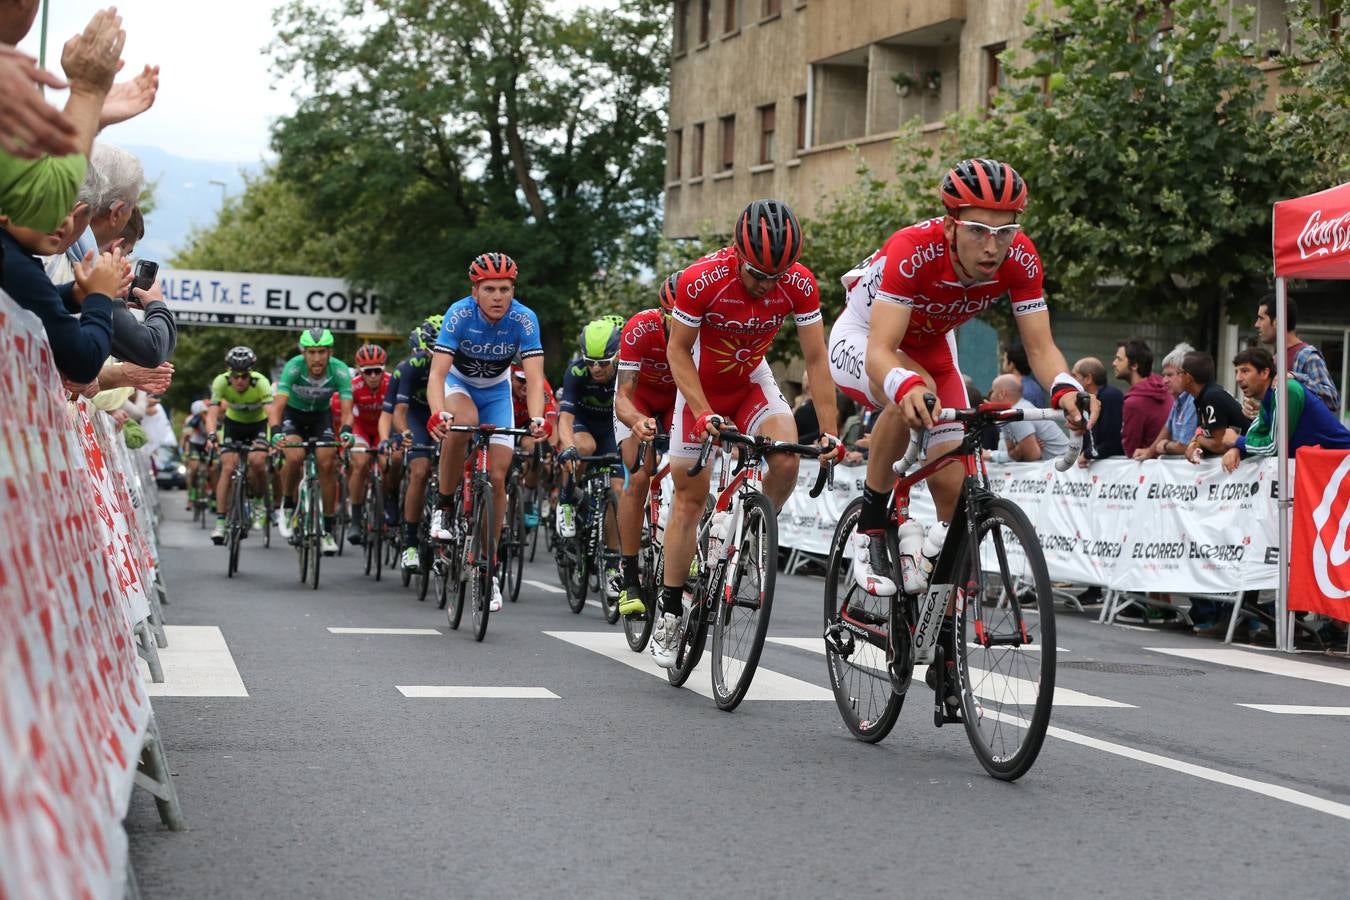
(244, 395)
(301, 411)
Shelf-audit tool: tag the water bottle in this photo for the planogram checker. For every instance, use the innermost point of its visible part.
(910, 536)
(717, 533)
(932, 546)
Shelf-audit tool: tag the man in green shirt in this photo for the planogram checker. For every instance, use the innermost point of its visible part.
(245, 396)
(302, 410)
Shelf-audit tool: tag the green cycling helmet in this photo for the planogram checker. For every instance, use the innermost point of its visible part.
(599, 339)
(315, 337)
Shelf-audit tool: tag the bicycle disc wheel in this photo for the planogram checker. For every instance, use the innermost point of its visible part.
(481, 573)
(743, 609)
(859, 669)
(638, 628)
(1005, 651)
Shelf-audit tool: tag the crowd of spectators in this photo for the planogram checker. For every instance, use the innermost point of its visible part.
(70, 220)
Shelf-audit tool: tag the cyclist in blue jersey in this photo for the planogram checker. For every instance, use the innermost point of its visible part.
(470, 383)
(406, 402)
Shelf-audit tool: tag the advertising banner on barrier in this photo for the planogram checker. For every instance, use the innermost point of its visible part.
(1319, 577)
(258, 300)
(1161, 525)
(73, 709)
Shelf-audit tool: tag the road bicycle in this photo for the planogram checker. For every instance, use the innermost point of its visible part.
(637, 628)
(307, 531)
(342, 516)
(737, 564)
(470, 553)
(393, 544)
(517, 533)
(372, 512)
(240, 518)
(199, 488)
(990, 579)
(586, 559)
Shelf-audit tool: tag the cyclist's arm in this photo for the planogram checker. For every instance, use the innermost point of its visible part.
(277, 410)
(680, 355)
(812, 338)
(383, 428)
(534, 385)
(624, 410)
(400, 418)
(441, 361)
(211, 423)
(566, 437)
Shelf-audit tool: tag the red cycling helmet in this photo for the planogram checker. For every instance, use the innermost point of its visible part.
(984, 184)
(667, 292)
(768, 237)
(489, 266)
(370, 355)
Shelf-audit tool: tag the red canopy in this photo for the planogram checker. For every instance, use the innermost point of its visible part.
(1312, 235)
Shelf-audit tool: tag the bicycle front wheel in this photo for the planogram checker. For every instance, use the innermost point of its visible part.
(480, 559)
(607, 559)
(637, 628)
(859, 666)
(743, 608)
(1005, 640)
(314, 535)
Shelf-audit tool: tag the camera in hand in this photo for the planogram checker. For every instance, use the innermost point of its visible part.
(142, 278)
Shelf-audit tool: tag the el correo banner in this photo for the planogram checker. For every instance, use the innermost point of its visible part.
(253, 300)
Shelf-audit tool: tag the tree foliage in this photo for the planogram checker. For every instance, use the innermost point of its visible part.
(1315, 121)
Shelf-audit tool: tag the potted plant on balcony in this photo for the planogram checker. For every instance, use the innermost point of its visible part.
(932, 81)
(904, 83)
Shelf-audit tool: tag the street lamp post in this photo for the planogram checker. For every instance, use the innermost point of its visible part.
(224, 189)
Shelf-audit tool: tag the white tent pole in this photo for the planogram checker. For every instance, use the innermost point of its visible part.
(1284, 636)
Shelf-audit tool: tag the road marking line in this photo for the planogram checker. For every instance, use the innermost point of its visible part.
(333, 630)
(1299, 710)
(1261, 662)
(544, 586)
(1274, 791)
(595, 603)
(988, 684)
(768, 685)
(197, 663)
(470, 692)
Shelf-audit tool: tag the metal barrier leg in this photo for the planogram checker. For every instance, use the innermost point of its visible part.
(160, 588)
(133, 890)
(152, 774)
(1234, 619)
(157, 612)
(146, 650)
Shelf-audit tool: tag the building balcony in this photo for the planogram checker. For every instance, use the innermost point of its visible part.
(836, 27)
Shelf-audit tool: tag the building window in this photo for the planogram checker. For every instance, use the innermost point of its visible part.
(996, 75)
(681, 40)
(728, 142)
(772, 7)
(800, 102)
(731, 16)
(704, 21)
(697, 161)
(767, 114)
(676, 155)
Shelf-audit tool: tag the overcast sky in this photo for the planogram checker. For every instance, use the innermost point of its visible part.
(216, 97)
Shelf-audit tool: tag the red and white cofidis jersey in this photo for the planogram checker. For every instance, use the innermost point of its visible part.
(366, 404)
(519, 408)
(735, 329)
(642, 350)
(914, 268)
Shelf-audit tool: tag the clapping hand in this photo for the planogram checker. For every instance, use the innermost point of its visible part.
(30, 127)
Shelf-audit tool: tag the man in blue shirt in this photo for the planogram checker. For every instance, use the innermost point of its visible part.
(470, 383)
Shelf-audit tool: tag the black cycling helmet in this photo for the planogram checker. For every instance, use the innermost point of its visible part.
(768, 237)
(240, 359)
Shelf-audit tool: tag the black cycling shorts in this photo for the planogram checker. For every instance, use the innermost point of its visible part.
(243, 432)
(317, 424)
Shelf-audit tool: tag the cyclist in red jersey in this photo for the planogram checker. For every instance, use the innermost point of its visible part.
(368, 390)
(728, 307)
(643, 404)
(896, 340)
(521, 411)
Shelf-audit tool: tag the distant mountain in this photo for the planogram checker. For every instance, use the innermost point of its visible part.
(184, 196)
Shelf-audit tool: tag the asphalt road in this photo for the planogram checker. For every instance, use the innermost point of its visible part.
(327, 781)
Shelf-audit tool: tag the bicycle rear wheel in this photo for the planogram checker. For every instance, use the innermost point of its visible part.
(608, 523)
(859, 667)
(638, 628)
(480, 558)
(266, 501)
(743, 610)
(298, 536)
(1005, 651)
(572, 563)
(512, 554)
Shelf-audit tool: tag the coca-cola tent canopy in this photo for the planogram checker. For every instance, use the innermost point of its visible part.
(1312, 235)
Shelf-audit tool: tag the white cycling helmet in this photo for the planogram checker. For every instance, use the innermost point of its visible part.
(198, 407)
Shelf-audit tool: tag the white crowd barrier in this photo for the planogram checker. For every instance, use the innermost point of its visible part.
(1162, 525)
(76, 578)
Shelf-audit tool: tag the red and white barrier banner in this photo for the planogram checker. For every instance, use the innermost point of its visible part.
(73, 710)
(1319, 572)
(1161, 525)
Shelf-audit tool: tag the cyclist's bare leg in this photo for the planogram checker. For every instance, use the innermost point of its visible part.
(227, 463)
(290, 469)
(419, 470)
(781, 476)
(585, 445)
(257, 472)
(452, 450)
(633, 501)
(393, 472)
(326, 458)
(499, 460)
(686, 507)
(356, 481)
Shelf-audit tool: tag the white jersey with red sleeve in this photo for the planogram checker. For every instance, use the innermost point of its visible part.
(735, 329)
(914, 268)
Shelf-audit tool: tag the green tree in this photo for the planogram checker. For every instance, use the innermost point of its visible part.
(1315, 120)
(439, 129)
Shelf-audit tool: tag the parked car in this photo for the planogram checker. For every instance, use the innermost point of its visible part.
(169, 469)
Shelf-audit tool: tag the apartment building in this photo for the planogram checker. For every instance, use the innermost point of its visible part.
(767, 97)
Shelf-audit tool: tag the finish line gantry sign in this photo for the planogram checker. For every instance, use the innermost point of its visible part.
(285, 302)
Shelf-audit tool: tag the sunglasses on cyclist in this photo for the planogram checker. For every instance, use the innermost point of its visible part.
(599, 363)
(1003, 235)
(241, 375)
(761, 276)
(373, 370)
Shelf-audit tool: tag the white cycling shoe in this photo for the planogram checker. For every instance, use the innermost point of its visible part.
(869, 556)
(495, 604)
(666, 640)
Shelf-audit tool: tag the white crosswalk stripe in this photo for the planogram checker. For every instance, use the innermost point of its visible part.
(197, 663)
(1292, 710)
(473, 692)
(768, 685)
(342, 630)
(1263, 662)
(987, 684)
(544, 586)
